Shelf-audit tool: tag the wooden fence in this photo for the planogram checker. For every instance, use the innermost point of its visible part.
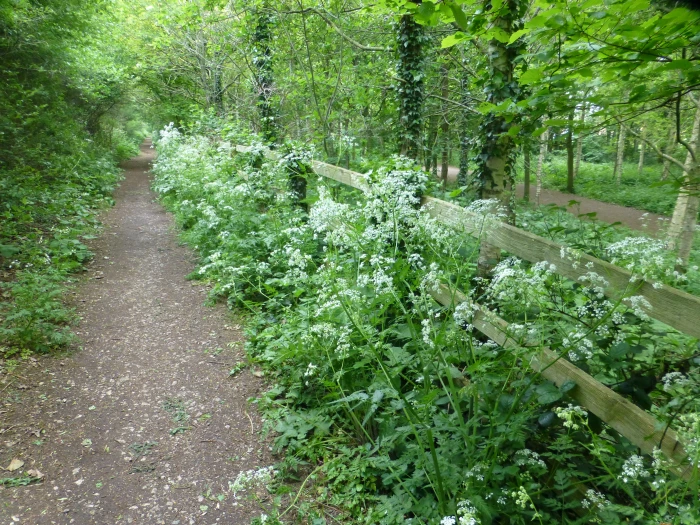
(668, 305)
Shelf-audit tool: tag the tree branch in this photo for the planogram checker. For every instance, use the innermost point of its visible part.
(355, 43)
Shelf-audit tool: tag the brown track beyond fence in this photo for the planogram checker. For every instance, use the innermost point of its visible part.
(669, 305)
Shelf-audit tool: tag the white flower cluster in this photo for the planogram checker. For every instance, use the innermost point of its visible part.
(572, 415)
(527, 457)
(466, 515)
(580, 347)
(594, 500)
(464, 314)
(251, 478)
(633, 469)
(689, 429)
(639, 305)
(674, 380)
(512, 282)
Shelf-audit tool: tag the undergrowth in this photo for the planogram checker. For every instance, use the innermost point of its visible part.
(46, 214)
(390, 408)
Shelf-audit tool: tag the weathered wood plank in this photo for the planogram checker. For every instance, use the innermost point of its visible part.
(637, 425)
(350, 178)
(674, 307)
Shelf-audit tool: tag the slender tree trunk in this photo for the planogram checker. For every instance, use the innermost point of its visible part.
(463, 175)
(670, 147)
(685, 214)
(526, 170)
(570, 155)
(579, 141)
(431, 139)
(540, 165)
(620, 156)
(640, 166)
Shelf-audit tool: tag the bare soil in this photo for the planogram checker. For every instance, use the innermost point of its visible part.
(141, 423)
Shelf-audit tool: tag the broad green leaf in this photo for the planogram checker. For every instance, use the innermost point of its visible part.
(460, 17)
(517, 35)
(531, 76)
(453, 39)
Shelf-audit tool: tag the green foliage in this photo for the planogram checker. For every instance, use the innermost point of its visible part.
(401, 411)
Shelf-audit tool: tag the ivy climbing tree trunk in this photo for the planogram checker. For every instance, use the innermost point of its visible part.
(495, 170)
(411, 38)
(445, 127)
(262, 60)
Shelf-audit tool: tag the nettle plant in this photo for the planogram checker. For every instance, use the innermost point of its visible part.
(394, 406)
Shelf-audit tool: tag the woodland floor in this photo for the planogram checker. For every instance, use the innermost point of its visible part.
(140, 423)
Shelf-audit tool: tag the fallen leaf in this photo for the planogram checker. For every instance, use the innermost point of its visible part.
(35, 474)
(15, 464)
(79, 482)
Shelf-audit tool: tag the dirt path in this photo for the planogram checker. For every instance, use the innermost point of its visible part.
(606, 212)
(142, 424)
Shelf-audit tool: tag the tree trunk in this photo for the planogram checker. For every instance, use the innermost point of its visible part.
(463, 175)
(445, 128)
(620, 156)
(640, 166)
(410, 40)
(579, 141)
(431, 139)
(262, 37)
(570, 155)
(685, 214)
(670, 147)
(540, 165)
(496, 156)
(526, 170)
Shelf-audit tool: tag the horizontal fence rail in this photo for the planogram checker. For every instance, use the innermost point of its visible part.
(669, 305)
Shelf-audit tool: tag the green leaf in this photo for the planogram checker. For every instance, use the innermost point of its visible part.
(548, 393)
(680, 64)
(517, 35)
(531, 76)
(453, 39)
(514, 130)
(460, 17)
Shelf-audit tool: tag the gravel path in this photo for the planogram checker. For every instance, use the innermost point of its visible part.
(142, 423)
